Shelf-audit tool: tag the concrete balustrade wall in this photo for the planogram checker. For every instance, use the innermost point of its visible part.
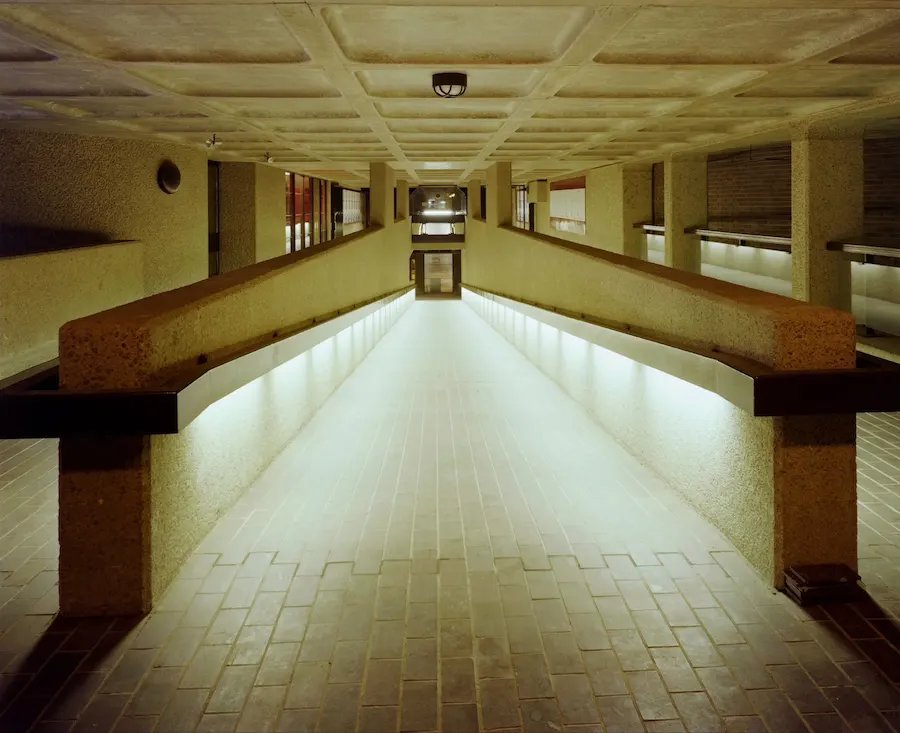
(133, 508)
(781, 489)
(38, 295)
(108, 185)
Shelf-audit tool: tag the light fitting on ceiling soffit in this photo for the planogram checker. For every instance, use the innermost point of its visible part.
(449, 84)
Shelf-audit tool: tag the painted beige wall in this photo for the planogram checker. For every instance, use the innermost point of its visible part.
(252, 202)
(108, 185)
(38, 295)
(782, 490)
(179, 485)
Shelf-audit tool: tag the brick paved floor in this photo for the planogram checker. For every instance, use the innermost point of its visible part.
(437, 552)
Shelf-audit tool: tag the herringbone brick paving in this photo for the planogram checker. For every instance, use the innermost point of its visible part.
(452, 544)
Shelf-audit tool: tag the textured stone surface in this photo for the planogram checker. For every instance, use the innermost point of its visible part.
(195, 475)
(780, 490)
(252, 214)
(108, 276)
(685, 207)
(108, 185)
(774, 330)
(615, 200)
(827, 206)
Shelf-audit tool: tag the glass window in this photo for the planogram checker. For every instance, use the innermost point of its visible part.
(306, 212)
(520, 214)
(567, 207)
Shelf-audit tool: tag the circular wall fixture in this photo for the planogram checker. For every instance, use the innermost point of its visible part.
(168, 177)
(449, 84)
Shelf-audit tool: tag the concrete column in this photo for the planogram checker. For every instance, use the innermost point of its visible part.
(252, 214)
(826, 205)
(329, 219)
(381, 194)
(539, 195)
(499, 194)
(402, 199)
(473, 199)
(316, 234)
(685, 206)
(615, 200)
(815, 510)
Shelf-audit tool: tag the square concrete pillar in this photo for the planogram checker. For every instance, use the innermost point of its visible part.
(499, 194)
(685, 207)
(402, 199)
(539, 195)
(473, 199)
(381, 194)
(615, 200)
(252, 205)
(316, 237)
(815, 509)
(826, 205)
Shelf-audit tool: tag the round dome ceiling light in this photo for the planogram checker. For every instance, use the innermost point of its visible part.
(449, 84)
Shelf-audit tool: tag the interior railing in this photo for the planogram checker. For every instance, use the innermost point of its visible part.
(32, 405)
(864, 253)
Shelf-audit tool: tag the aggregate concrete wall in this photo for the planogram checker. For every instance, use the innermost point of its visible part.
(171, 489)
(783, 490)
(252, 214)
(38, 295)
(108, 185)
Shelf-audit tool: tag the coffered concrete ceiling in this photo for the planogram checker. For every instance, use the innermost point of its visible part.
(555, 87)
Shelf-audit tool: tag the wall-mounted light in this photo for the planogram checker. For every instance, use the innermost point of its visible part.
(449, 84)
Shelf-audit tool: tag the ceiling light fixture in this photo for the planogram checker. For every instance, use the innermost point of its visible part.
(269, 158)
(213, 142)
(449, 84)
